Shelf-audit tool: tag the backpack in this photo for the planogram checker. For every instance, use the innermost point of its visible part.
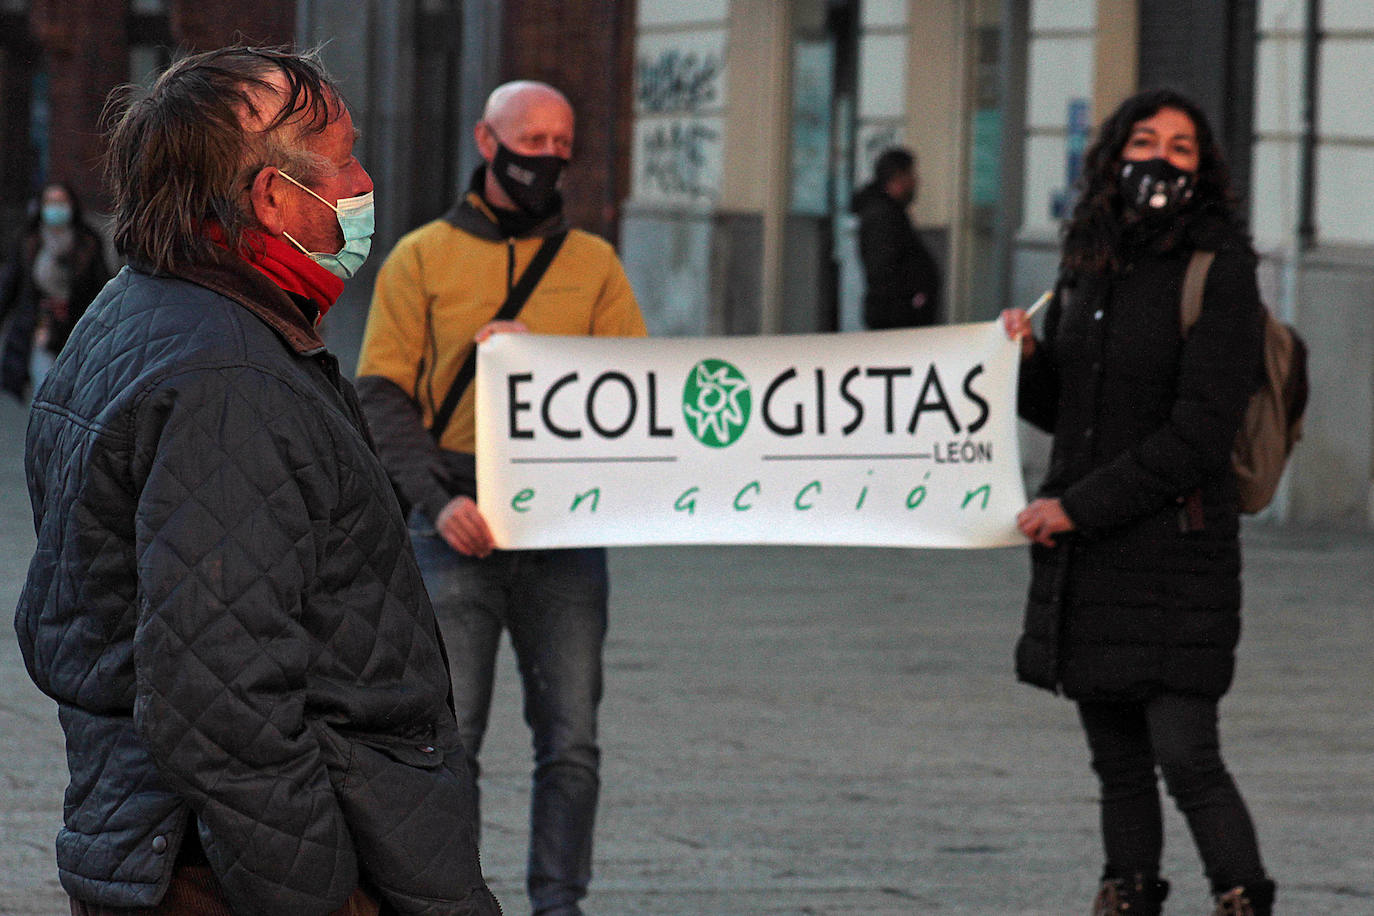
(1273, 419)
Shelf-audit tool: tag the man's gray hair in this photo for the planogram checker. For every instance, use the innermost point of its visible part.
(182, 155)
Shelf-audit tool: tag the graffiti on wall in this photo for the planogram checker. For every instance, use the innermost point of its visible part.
(677, 80)
(679, 159)
(679, 93)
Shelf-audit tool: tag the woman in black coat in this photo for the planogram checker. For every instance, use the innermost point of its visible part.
(1134, 607)
(53, 273)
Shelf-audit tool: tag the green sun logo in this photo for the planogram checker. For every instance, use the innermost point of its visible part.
(716, 402)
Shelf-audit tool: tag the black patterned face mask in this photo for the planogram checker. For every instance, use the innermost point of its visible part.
(1155, 186)
(530, 181)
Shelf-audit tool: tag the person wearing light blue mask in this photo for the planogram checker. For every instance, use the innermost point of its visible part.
(356, 219)
(243, 453)
(55, 269)
(56, 213)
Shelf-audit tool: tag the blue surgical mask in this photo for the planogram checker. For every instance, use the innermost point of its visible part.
(56, 214)
(356, 220)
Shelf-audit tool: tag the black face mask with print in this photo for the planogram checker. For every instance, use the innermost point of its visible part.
(530, 181)
(1155, 186)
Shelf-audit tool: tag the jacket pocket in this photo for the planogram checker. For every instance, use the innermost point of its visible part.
(419, 753)
(411, 808)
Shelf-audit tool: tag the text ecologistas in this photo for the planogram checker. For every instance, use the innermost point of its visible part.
(611, 403)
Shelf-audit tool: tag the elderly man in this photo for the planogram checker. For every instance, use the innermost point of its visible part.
(223, 601)
(504, 251)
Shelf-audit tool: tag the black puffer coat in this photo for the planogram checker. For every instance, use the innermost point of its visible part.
(1145, 597)
(225, 607)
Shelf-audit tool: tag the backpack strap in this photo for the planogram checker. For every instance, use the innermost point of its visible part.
(515, 301)
(1190, 516)
(1194, 279)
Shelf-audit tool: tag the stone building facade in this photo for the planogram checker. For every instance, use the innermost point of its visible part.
(755, 119)
(59, 60)
(719, 142)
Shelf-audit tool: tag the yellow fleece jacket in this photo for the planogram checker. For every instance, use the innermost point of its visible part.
(440, 284)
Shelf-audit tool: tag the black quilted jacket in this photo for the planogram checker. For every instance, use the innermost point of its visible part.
(224, 605)
(1146, 596)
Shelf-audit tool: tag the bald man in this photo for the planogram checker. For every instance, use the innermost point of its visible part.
(442, 285)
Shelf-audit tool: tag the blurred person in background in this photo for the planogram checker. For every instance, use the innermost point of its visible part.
(53, 272)
(902, 278)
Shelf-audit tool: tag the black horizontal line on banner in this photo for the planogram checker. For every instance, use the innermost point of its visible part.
(630, 459)
(917, 456)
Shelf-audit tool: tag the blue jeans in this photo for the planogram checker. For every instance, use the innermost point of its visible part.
(553, 604)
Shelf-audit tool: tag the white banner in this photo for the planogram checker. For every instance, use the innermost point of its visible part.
(889, 438)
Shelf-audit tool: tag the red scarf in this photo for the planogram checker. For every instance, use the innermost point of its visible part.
(286, 266)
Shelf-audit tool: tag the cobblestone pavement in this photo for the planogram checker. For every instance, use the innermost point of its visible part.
(827, 731)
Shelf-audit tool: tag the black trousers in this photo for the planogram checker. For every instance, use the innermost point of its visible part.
(1176, 735)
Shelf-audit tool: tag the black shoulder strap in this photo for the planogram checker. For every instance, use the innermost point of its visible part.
(519, 294)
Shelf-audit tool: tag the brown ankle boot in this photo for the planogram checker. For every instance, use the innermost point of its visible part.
(1141, 896)
(1254, 899)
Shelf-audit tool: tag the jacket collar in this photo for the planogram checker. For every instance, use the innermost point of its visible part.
(872, 195)
(237, 280)
(475, 216)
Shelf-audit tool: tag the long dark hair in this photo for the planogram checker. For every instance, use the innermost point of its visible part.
(184, 153)
(1092, 239)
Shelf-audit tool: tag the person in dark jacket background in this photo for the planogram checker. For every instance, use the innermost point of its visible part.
(1134, 607)
(903, 281)
(56, 268)
(223, 600)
